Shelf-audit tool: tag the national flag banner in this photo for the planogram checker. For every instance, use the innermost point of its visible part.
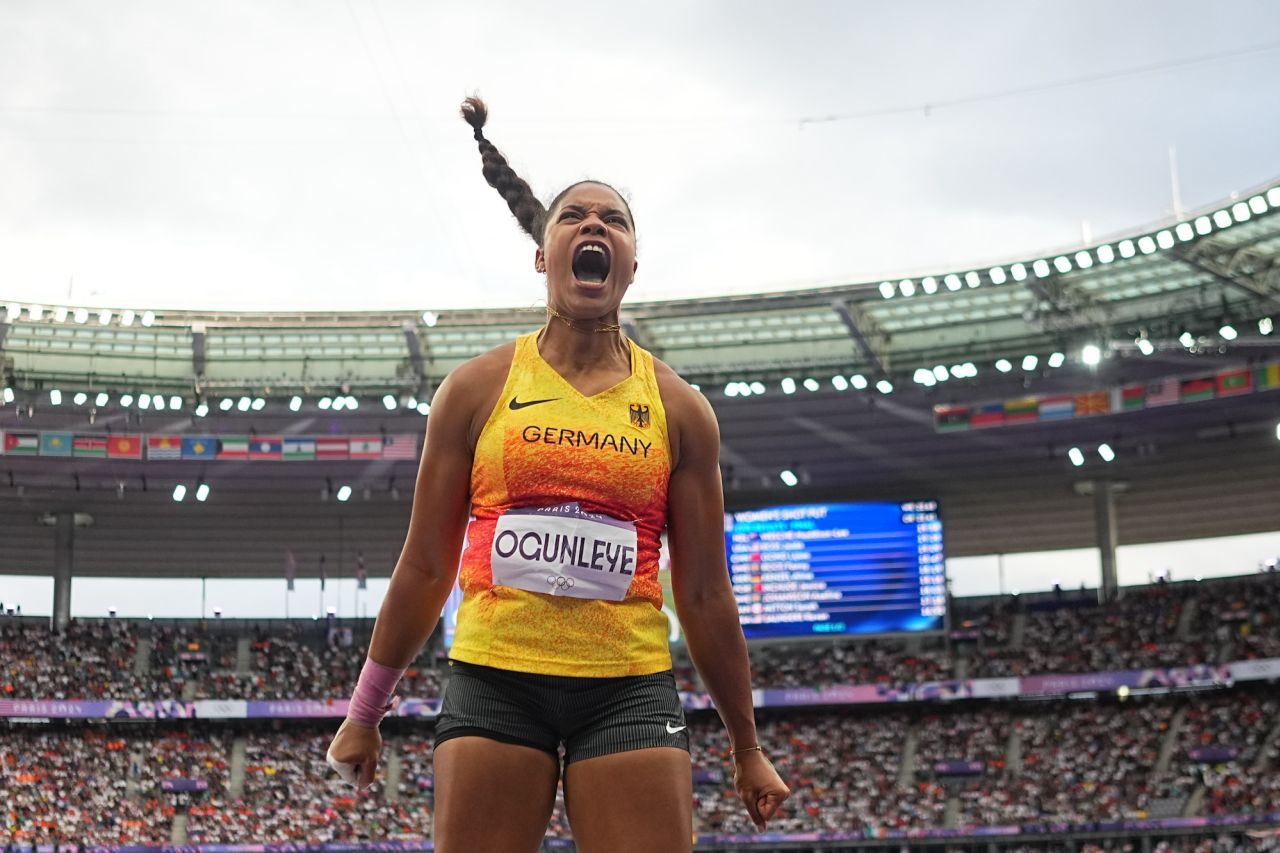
(365, 446)
(1132, 397)
(21, 443)
(1194, 390)
(1022, 410)
(1057, 407)
(290, 569)
(986, 415)
(199, 447)
(945, 418)
(124, 446)
(89, 446)
(266, 448)
(55, 444)
(1162, 392)
(164, 447)
(1267, 377)
(1093, 403)
(1232, 382)
(400, 446)
(328, 447)
(298, 448)
(233, 447)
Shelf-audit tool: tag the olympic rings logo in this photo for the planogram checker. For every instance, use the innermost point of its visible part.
(560, 581)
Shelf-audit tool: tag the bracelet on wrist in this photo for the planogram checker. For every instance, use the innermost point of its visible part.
(733, 753)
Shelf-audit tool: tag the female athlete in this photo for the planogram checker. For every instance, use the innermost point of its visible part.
(570, 449)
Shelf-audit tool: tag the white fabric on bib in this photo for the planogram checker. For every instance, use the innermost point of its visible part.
(564, 550)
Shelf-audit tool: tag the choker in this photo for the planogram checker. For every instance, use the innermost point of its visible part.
(609, 327)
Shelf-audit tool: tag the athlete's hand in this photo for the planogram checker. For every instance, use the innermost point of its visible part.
(354, 753)
(759, 785)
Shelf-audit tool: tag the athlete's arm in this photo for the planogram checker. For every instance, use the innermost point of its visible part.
(704, 597)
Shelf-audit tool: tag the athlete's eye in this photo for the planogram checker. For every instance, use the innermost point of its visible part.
(618, 220)
(566, 214)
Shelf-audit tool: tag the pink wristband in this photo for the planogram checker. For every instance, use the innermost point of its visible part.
(372, 699)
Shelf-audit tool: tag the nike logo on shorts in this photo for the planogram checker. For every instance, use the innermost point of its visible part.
(515, 405)
(674, 729)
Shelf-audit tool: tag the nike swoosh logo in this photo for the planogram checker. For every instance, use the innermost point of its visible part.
(516, 405)
(674, 729)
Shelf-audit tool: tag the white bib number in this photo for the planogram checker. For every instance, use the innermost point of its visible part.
(564, 550)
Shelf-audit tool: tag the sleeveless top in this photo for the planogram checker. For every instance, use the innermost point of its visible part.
(568, 502)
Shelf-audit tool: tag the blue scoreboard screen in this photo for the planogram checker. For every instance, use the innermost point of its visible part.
(856, 568)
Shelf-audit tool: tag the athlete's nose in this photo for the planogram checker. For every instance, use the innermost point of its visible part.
(592, 226)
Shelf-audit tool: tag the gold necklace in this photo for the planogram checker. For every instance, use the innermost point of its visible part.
(608, 327)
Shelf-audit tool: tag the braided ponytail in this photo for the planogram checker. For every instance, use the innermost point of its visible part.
(524, 205)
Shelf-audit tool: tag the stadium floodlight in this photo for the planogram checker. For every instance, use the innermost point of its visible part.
(13, 312)
(243, 404)
(997, 275)
(757, 387)
(80, 398)
(858, 381)
(972, 279)
(157, 402)
(811, 384)
(1240, 211)
(1076, 456)
(1203, 225)
(295, 403)
(1004, 365)
(884, 386)
(1278, 432)
(1040, 268)
(1273, 196)
(258, 404)
(839, 383)
(202, 410)
(344, 493)
(424, 409)
(148, 317)
(202, 492)
(940, 373)
(225, 404)
(35, 312)
(886, 290)
(1029, 362)
(126, 317)
(1019, 272)
(959, 371)
(324, 403)
(175, 402)
(352, 403)
(1164, 239)
(952, 282)
(1126, 249)
(1105, 451)
(102, 399)
(929, 285)
(8, 395)
(1228, 332)
(788, 385)
(1057, 359)
(731, 389)
(104, 317)
(1106, 254)
(430, 318)
(126, 400)
(1184, 231)
(179, 492)
(60, 314)
(339, 403)
(1084, 260)
(1266, 326)
(411, 403)
(55, 397)
(1062, 263)
(1222, 219)
(1145, 346)
(1146, 245)
(389, 402)
(907, 287)
(1091, 354)
(970, 370)
(923, 376)
(1187, 340)
(82, 315)
(789, 477)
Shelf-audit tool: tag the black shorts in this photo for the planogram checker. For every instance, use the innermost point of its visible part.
(589, 716)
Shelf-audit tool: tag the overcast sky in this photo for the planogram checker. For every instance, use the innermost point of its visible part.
(307, 155)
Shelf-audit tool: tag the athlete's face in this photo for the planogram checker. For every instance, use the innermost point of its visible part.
(588, 251)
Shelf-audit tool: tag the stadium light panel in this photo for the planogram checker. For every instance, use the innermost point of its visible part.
(1240, 211)
(175, 402)
(82, 316)
(1029, 362)
(1184, 231)
(35, 312)
(1057, 359)
(1146, 245)
(202, 410)
(1091, 354)
(339, 403)
(1107, 454)
(858, 381)
(243, 404)
(1145, 346)
(1187, 340)
(884, 386)
(1228, 332)
(179, 492)
(104, 317)
(258, 404)
(424, 409)
(952, 282)
(731, 389)
(970, 370)
(389, 402)
(788, 385)
(1278, 432)
(1084, 260)
(148, 317)
(997, 275)
(202, 492)
(1222, 219)
(1203, 225)
(80, 398)
(1004, 365)
(1062, 263)
(1258, 204)
(8, 395)
(1019, 272)
(157, 402)
(839, 383)
(811, 384)
(886, 290)
(430, 318)
(907, 287)
(226, 404)
(55, 397)
(940, 373)
(972, 279)
(344, 493)
(1040, 268)
(295, 403)
(929, 285)
(102, 399)
(1126, 249)
(352, 403)
(1266, 326)
(1164, 239)
(959, 371)
(757, 387)
(922, 376)
(324, 403)
(1076, 456)
(13, 312)
(127, 317)
(1273, 196)
(789, 478)
(60, 314)
(126, 400)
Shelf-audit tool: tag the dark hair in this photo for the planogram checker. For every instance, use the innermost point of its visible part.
(524, 205)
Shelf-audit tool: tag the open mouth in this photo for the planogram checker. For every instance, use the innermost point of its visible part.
(591, 263)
